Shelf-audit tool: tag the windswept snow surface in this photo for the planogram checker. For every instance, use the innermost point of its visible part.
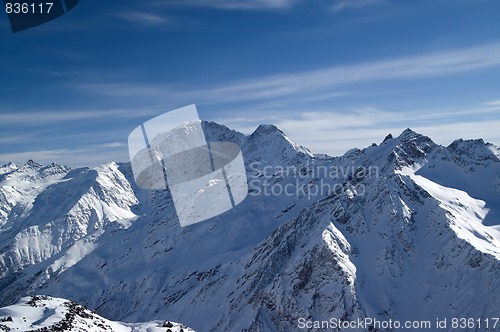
(405, 230)
(44, 313)
(466, 215)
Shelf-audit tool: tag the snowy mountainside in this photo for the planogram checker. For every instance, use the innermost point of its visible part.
(53, 208)
(394, 253)
(20, 185)
(44, 313)
(404, 230)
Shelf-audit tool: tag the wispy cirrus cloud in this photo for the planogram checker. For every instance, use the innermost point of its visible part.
(430, 65)
(341, 5)
(231, 4)
(326, 81)
(45, 117)
(142, 18)
(335, 5)
(492, 103)
(277, 99)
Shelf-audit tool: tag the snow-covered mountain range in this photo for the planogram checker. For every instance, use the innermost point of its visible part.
(405, 230)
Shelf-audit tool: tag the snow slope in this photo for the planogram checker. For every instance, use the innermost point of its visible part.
(44, 313)
(404, 230)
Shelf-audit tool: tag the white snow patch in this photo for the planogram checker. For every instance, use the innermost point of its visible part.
(466, 214)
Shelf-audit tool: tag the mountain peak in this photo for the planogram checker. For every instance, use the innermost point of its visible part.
(215, 132)
(32, 164)
(388, 137)
(460, 143)
(410, 147)
(475, 150)
(7, 168)
(408, 135)
(275, 142)
(267, 129)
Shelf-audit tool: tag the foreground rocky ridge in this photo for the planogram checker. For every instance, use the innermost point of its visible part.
(45, 313)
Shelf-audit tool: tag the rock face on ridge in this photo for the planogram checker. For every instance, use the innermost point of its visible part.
(45, 313)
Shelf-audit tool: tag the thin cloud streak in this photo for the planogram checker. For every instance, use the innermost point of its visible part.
(310, 83)
(231, 4)
(438, 64)
(341, 5)
(492, 103)
(147, 19)
(335, 5)
(42, 117)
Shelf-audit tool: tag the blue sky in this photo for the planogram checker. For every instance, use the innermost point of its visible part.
(332, 74)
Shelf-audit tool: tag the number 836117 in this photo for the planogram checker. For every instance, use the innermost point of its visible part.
(28, 8)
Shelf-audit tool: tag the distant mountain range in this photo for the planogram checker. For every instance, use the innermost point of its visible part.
(407, 230)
